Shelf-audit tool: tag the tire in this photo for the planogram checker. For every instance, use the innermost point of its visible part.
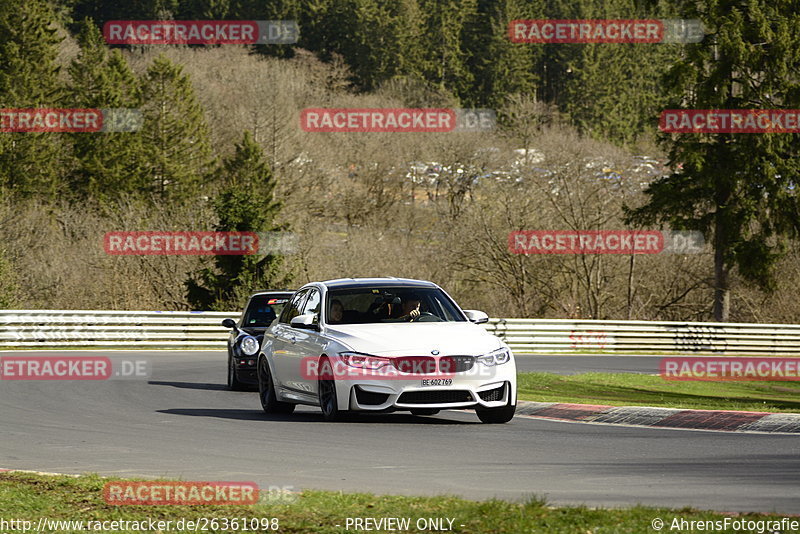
(266, 391)
(326, 391)
(424, 411)
(497, 416)
(234, 384)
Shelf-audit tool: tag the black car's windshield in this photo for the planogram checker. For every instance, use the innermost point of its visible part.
(389, 305)
(263, 309)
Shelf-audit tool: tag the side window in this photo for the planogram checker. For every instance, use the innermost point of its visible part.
(293, 308)
(312, 305)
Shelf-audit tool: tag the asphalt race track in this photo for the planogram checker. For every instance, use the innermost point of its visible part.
(182, 422)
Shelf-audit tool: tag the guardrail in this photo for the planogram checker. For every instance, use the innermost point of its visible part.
(669, 337)
(76, 328)
(141, 329)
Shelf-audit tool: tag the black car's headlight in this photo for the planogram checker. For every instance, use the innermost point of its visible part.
(497, 357)
(248, 345)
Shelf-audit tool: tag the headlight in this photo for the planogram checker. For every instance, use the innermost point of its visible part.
(498, 357)
(364, 361)
(249, 345)
(502, 356)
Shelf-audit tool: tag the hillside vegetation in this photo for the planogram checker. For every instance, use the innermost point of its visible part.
(576, 147)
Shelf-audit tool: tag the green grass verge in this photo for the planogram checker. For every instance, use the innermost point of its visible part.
(25, 496)
(629, 389)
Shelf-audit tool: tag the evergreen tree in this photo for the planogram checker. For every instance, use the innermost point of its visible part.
(102, 11)
(110, 163)
(246, 204)
(499, 66)
(175, 133)
(445, 59)
(207, 10)
(378, 40)
(740, 189)
(558, 60)
(30, 163)
(614, 89)
(314, 27)
(283, 10)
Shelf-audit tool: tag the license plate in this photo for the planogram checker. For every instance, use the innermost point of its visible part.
(425, 382)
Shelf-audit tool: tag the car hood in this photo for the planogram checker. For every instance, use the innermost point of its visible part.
(254, 330)
(418, 339)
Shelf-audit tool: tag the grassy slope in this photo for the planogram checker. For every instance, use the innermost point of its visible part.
(621, 389)
(28, 496)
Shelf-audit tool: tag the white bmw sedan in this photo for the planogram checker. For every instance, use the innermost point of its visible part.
(380, 345)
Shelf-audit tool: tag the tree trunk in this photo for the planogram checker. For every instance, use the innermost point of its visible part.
(629, 305)
(722, 299)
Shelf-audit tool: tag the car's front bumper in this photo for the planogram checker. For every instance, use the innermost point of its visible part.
(246, 369)
(407, 393)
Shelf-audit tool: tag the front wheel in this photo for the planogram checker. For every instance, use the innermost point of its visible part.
(266, 391)
(495, 416)
(326, 389)
(234, 384)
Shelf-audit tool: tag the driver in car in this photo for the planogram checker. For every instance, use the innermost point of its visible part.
(337, 312)
(410, 308)
(392, 309)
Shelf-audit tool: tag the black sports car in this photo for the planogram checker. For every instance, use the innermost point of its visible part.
(245, 339)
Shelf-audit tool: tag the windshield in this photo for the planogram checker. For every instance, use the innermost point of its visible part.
(389, 305)
(263, 309)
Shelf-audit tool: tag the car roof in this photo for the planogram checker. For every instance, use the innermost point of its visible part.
(350, 283)
(272, 292)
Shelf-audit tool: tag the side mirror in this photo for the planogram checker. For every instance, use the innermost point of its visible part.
(307, 321)
(477, 317)
(229, 323)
